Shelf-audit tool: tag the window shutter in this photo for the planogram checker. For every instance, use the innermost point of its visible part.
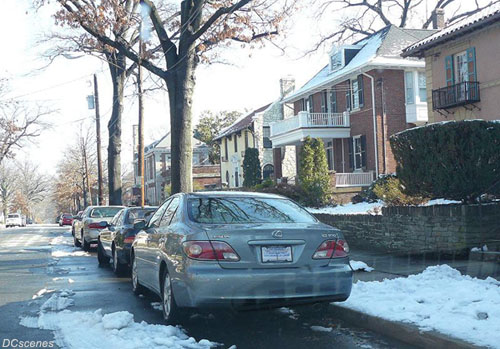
(361, 93)
(348, 96)
(363, 151)
(471, 63)
(311, 104)
(351, 153)
(448, 67)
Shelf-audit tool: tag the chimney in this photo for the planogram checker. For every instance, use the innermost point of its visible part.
(287, 85)
(438, 18)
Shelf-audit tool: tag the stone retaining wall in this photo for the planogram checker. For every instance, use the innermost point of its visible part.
(440, 228)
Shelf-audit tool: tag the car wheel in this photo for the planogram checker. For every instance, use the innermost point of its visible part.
(169, 307)
(118, 267)
(85, 244)
(101, 255)
(137, 288)
(76, 242)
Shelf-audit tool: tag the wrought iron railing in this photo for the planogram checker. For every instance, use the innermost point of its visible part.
(465, 92)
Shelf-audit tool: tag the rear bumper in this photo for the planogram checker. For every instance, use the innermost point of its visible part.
(92, 235)
(208, 285)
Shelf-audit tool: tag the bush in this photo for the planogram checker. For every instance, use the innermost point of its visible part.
(265, 184)
(390, 190)
(313, 172)
(457, 160)
(252, 174)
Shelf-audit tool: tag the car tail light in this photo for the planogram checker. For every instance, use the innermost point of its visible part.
(129, 239)
(210, 250)
(95, 226)
(331, 249)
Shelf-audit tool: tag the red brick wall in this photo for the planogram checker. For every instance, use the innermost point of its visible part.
(297, 106)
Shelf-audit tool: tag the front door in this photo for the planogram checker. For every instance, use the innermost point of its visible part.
(462, 74)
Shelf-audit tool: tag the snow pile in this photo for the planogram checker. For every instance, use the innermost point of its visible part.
(321, 329)
(440, 299)
(350, 208)
(358, 265)
(115, 330)
(440, 202)
(41, 293)
(62, 246)
(58, 301)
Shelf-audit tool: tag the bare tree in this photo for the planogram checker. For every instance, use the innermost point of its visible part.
(186, 35)
(359, 18)
(32, 188)
(8, 185)
(19, 122)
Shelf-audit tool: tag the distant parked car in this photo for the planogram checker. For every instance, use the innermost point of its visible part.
(116, 239)
(66, 219)
(94, 218)
(15, 220)
(76, 219)
(237, 249)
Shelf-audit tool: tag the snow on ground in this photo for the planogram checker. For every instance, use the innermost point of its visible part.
(350, 208)
(440, 299)
(290, 312)
(41, 293)
(373, 208)
(321, 329)
(358, 265)
(62, 246)
(156, 306)
(114, 330)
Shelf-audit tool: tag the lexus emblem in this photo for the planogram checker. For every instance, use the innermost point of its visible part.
(278, 234)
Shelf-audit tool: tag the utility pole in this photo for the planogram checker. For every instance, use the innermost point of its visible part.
(98, 136)
(140, 143)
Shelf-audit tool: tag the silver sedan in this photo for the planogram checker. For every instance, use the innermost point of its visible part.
(238, 249)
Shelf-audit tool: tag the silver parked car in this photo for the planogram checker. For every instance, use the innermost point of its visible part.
(238, 249)
(94, 218)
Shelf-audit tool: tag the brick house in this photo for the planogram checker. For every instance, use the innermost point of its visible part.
(461, 61)
(157, 168)
(365, 93)
(252, 130)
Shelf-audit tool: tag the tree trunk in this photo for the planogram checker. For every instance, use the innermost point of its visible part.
(180, 83)
(118, 75)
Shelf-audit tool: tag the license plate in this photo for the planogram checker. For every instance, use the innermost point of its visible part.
(276, 254)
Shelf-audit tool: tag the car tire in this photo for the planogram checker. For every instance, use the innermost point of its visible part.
(101, 255)
(76, 242)
(171, 313)
(118, 268)
(137, 288)
(85, 244)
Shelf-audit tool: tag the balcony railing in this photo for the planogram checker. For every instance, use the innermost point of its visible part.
(463, 93)
(355, 179)
(310, 120)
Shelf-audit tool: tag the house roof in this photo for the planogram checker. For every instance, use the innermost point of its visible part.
(488, 16)
(382, 48)
(164, 143)
(242, 123)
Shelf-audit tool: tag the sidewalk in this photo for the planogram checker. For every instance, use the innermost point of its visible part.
(426, 301)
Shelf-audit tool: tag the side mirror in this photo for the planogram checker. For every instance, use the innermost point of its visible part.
(139, 224)
(104, 224)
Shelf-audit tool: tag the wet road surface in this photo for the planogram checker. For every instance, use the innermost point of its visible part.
(27, 266)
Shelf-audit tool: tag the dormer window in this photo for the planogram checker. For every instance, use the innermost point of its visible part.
(341, 56)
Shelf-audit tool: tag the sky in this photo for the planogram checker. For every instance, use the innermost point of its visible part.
(250, 80)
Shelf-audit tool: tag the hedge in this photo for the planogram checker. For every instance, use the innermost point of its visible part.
(457, 160)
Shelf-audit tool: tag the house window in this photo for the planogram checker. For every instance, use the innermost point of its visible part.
(357, 152)
(310, 104)
(266, 132)
(333, 100)
(236, 178)
(235, 143)
(246, 140)
(409, 90)
(268, 171)
(422, 90)
(227, 178)
(225, 149)
(355, 95)
(330, 156)
(324, 101)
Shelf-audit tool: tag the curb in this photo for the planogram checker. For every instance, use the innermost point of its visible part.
(403, 332)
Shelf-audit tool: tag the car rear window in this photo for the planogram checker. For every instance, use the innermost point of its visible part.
(233, 210)
(67, 216)
(101, 212)
(140, 214)
(13, 216)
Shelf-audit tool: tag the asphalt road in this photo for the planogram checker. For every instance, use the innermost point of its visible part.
(27, 266)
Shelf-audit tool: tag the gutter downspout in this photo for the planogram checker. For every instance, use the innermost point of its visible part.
(374, 123)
